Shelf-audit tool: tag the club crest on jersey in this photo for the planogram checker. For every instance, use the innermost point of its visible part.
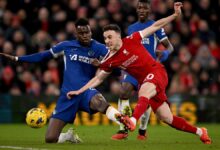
(91, 53)
(125, 52)
(73, 49)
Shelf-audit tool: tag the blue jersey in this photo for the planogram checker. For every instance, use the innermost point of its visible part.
(78, 69)
(150, 42)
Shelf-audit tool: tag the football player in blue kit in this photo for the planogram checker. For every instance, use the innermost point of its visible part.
(79, 68)
(129, 83)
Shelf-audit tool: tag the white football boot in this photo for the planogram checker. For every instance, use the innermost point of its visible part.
(73, 136)
(69, 136)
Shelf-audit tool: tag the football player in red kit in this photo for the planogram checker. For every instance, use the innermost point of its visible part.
(130, 55)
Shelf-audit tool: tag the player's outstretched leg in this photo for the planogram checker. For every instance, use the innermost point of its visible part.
(142, 132)
(205, 137)
(147, 90)
(126, 121)
(99, 104)
(139, 109)
(164, 113)
(181, 124)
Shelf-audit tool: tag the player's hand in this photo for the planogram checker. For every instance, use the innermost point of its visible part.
(72, 93)
(95, 62)
(8, 56)
(177, 8)
(162, 55)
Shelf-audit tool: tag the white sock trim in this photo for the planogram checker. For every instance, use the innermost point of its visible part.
(199, 132)
(110, 113)
(133, 120)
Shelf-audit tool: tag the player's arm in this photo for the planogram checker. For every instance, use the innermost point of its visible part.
(162, 22)
(163, 55)
(55, 51)
(95, 62)
(101, 75)
(36, 57)
(167, 44)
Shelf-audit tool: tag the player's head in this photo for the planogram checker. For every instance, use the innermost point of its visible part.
(143, 10)
(112, 36)
(83, 31)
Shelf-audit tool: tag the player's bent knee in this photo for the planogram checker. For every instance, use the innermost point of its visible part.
(124, 94)
(99, 104)
(126, 90)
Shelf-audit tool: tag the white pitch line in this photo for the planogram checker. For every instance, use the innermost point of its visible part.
(23, 148)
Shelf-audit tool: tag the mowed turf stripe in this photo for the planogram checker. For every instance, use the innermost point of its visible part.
(23, 148)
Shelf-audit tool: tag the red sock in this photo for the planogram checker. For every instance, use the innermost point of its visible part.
(141, 107)
(181, 124)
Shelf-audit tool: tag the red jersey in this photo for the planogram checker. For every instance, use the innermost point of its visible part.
(131, 57)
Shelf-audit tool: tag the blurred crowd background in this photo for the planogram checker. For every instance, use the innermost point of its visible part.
(30, 26)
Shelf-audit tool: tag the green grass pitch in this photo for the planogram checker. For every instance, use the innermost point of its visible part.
(20, 136)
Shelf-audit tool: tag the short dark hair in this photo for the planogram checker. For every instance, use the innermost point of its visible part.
(81, 22)
(144, 1)
(113, 27)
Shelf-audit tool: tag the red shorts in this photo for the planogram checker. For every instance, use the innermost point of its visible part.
(159, 78)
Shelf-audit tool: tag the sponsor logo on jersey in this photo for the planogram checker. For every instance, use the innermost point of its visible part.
(80, 58)
(129, 61)
(73, 49)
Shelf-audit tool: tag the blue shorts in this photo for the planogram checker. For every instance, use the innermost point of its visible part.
(130, 79)
(66, 109)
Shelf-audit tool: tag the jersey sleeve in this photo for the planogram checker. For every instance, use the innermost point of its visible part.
(58, 49)
(37, 57)
(161, 35)
(136, 36)
(105, 67)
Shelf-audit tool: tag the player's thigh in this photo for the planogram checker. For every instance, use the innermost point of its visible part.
(54, 128)
(164, 113)
(147, 90)
(66, 109)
